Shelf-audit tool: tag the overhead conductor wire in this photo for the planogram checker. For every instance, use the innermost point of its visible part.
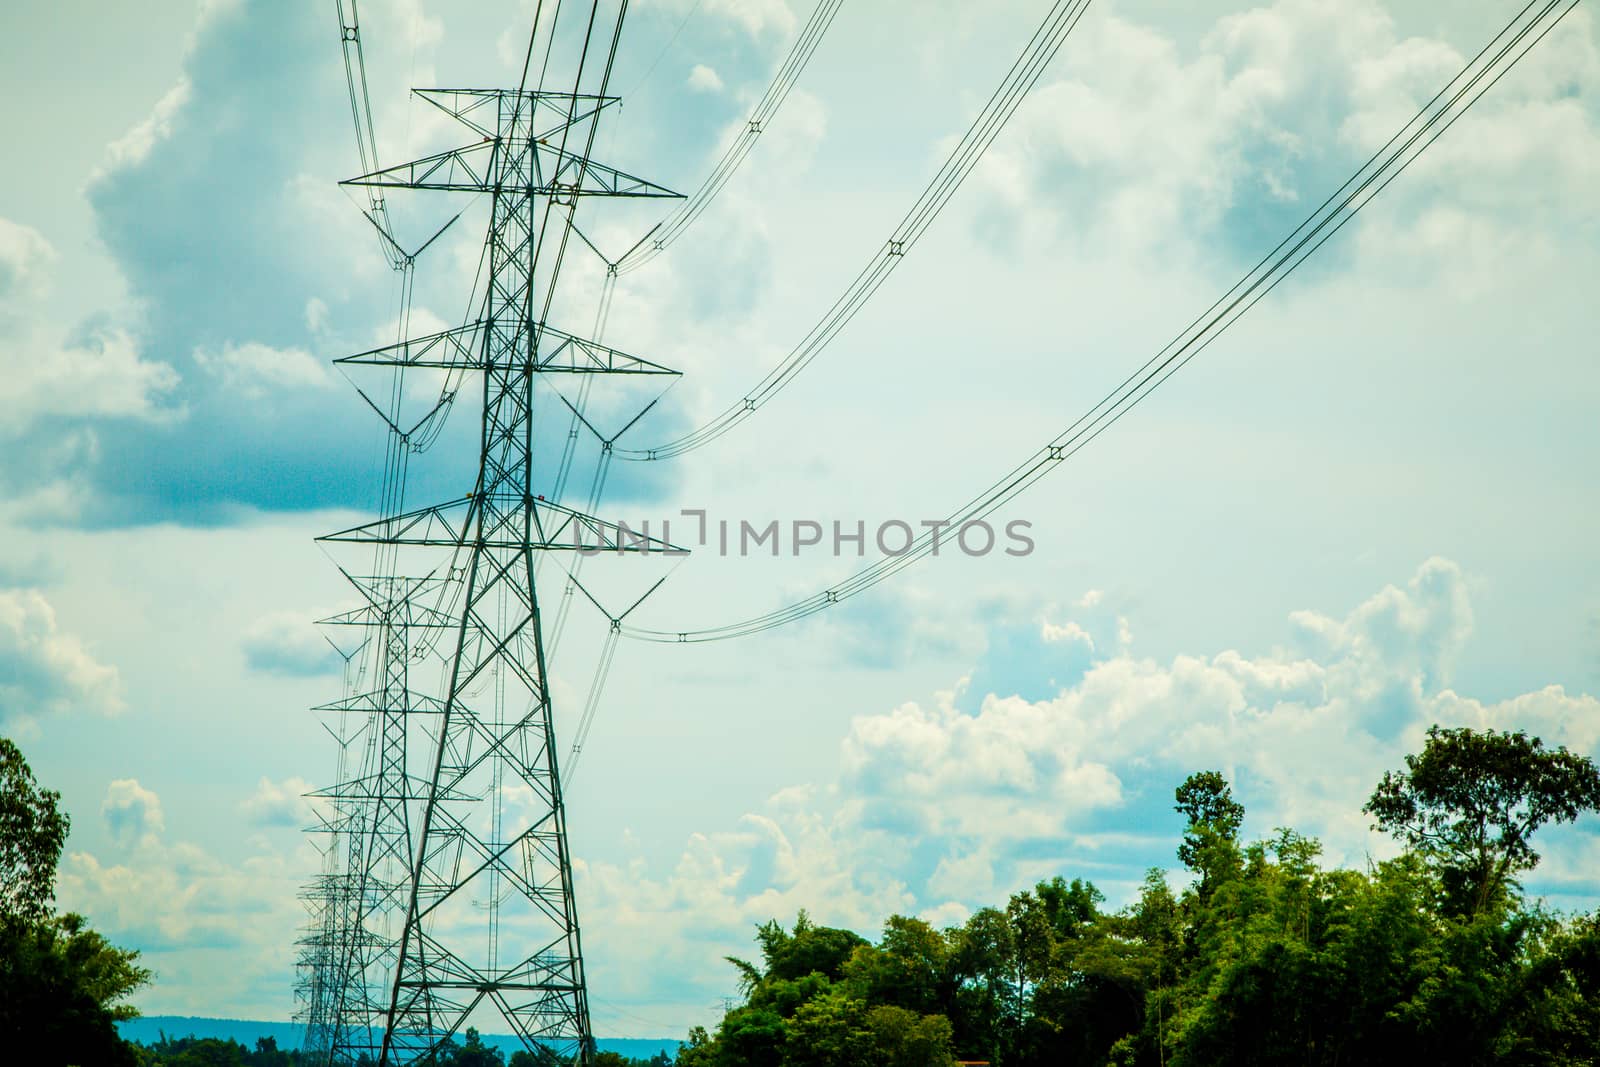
(391, 493)
(1020, 79)
(669, 229)
(656, 241)
(1520, 35)
(1025, 72)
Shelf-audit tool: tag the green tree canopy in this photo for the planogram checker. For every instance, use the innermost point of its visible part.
(1207, 800)
(1266, 958)
(32, 833)
(63, 987)
(1473, 799)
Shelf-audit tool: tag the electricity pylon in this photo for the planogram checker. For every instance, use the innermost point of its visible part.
(374, 834)
(482, 927)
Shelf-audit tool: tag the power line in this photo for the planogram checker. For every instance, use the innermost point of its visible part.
(665, 48)
(669, 229)
(663, 233)
(355, 76)
(1025, 72)
(1520, 35)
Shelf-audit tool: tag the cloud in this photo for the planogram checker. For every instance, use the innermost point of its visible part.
(724, 884)
(703, 79)
(1396, 634)
(755, 17)
(207, 398)
(1014, 770)
(251, 369)
(288, 644)
(45, 671)
(132, 811)
(1138, 144)
(99, 377)
(25, 262)
(180, 905)
(936, 810)
(47, 374)
(134, 147)
(280, 803)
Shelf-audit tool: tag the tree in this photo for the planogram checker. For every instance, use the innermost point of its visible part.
(1472, 801)
(698, 1051)
(1069, 906)
(63, 987)
(829, 1030)
(472, 1052)
(60, 988)
(982, 951)
(1207, 800)
(32, 833)
(1267, 958)
(751, 1037)
(910, 968)
(903, 1038)
(785, 995)
(810, 949)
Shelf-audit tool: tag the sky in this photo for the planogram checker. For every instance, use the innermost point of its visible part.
(1370, 507)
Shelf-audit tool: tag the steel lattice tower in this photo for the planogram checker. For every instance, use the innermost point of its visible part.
(456, 902)
(374, 836)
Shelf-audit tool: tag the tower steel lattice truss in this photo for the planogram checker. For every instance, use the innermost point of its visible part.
(446, 895)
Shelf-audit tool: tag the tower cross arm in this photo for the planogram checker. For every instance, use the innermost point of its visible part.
(493, 521)
(471, 168)
(480, 109)
(460, 348)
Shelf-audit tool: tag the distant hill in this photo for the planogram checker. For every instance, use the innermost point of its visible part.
(149, 1029)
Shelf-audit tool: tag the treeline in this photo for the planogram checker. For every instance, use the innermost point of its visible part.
(470, 1051)
(1264, 957)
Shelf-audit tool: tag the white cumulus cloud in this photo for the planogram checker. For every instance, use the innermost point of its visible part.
(704, 79)
(288, 643)
(253, 368)
(44, 670)
(280, 803)
(175, 901)
(132, 811)
(44, 371)
(25, 262)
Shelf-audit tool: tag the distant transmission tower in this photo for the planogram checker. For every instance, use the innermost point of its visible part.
(455, 903)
